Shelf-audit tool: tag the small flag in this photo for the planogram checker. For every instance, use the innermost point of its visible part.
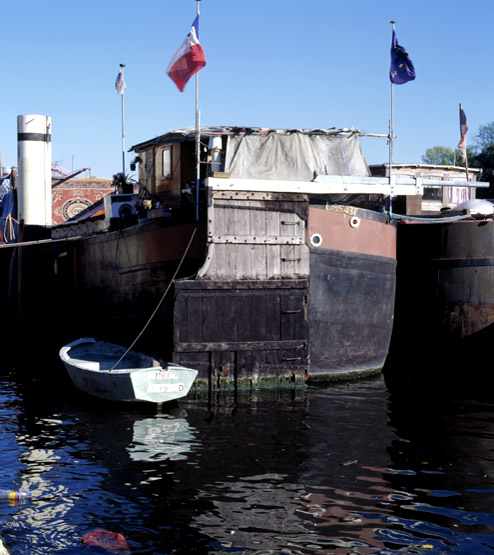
(120, 83)
(402, 69)
(188, 59)
(462, 145)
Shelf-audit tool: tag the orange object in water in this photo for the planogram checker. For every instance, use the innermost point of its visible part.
(111, 541)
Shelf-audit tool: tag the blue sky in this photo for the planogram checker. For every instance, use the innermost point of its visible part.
(270, 63)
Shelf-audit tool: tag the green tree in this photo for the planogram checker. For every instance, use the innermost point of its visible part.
(485, 160)
(485, 136)
(439, 156)
(445, 156)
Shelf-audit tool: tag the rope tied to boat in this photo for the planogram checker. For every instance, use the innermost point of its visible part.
(159, 303)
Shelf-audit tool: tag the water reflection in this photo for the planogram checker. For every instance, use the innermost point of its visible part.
(443, 458)
(162, 437)
(252, 511)
(356, 468)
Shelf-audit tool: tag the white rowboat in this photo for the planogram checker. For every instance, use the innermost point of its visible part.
(92, 367)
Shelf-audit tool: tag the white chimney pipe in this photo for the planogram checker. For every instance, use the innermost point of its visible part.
(34, 165)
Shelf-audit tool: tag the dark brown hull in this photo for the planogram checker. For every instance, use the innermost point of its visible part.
(445, 294)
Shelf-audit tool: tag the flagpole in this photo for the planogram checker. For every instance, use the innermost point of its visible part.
(198, 137)
(123, 124)
(391, 137)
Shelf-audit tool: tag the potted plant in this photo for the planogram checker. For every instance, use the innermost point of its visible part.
(123, 183)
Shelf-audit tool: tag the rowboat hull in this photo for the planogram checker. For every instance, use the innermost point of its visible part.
(95, 368)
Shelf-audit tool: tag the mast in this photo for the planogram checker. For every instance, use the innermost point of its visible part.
(198, 137)
(123, 126)
(391, 136)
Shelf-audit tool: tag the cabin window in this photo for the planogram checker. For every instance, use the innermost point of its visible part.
(149, 164)
(166, 163)
(432, 193)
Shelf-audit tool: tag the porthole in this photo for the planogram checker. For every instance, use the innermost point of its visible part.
(316, 240)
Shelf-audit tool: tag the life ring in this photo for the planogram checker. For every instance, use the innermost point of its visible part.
(354, 221)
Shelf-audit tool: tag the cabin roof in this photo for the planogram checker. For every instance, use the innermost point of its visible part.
(397, 165)
(189, 133)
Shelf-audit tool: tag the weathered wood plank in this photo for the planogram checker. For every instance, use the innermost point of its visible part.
(187, 285)
(254, 219)
(241, 346)
(190, 321)
(293, 316)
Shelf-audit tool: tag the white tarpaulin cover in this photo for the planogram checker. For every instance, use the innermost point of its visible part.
(294, 155)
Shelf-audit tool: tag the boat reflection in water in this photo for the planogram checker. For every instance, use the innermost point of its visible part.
(352, 468)
(366, 474)
(315, 488)
(162, 437)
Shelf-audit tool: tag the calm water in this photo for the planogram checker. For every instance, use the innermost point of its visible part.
(346, 469)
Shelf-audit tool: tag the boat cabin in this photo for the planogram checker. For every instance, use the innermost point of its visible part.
(167, 164)
(435, 198)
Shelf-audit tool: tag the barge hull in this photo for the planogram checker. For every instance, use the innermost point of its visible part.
(352, 289)
(445, 292)
(351, 311)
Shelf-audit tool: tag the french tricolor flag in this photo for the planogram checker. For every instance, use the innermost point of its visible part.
(188, 59)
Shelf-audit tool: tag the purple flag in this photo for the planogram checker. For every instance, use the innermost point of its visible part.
(402, 69)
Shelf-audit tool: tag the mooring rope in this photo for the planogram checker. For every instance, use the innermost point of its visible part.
(160, 302)
(9, 230)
